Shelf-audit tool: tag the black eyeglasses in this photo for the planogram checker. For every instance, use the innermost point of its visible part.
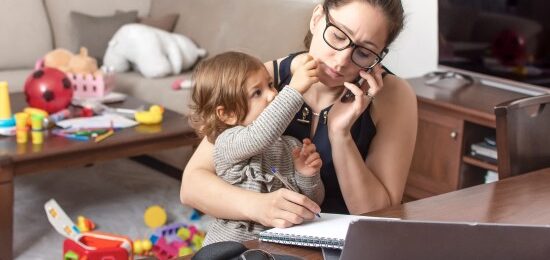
(339, 40)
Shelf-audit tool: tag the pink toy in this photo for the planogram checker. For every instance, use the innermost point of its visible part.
(88, 85)
(183, 83)
(164, 251)
(48, 89)
(91, 85)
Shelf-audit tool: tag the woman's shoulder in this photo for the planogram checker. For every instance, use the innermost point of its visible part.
(299, 56)
(396, 98)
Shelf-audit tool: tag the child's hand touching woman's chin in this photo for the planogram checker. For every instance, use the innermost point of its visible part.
(307, 160)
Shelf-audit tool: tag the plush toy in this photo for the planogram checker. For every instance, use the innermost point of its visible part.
(67, 62)
(152, 52)
(58, 59)
(82, 63)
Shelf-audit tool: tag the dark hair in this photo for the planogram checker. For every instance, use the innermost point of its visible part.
(220, 81)
(393, 9)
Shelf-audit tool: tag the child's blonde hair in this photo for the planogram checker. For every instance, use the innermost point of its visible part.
(220, 81)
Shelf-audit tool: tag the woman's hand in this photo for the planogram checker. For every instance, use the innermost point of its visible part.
(342, 115)
(307, 160)
(283, 208)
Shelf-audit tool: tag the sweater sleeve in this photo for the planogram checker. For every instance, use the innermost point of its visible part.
(242, 142)
(312, 187)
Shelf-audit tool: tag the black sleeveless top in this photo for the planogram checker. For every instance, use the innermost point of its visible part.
(362, 131)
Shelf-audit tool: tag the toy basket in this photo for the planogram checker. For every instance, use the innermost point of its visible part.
(88, 85)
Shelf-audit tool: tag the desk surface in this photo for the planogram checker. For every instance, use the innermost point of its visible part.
(523, 199)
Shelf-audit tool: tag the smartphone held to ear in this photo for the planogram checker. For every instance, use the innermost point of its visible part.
(349, 96)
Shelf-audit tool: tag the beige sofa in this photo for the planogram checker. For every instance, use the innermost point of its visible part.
(266, 28)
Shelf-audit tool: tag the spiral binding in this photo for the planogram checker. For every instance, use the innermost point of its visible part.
(310, 241)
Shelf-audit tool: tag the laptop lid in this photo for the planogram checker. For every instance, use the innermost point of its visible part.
(409, 239)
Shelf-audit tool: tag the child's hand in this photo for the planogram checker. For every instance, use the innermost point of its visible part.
(307, 160)
(305, 75)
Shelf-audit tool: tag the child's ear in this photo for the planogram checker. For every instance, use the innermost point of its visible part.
(227, 118)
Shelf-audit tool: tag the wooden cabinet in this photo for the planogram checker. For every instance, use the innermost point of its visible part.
(438, 145)
(450, 120)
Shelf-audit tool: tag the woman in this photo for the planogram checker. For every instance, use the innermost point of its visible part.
(366, 144)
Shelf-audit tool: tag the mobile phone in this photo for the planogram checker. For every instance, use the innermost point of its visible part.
(349, 96)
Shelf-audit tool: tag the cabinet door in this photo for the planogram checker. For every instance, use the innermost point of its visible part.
(436, 160)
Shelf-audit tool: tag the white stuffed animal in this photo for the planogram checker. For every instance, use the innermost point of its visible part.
(153, 52)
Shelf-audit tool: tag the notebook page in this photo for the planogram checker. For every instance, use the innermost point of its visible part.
(334, 226)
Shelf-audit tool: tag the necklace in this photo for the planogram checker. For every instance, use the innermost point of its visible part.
(315, 114)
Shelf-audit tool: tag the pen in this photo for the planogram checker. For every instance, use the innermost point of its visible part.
(286, 184)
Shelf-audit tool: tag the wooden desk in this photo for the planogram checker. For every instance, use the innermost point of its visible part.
(524, 199)
(58, 152)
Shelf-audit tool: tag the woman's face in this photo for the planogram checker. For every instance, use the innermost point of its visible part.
(364, 24)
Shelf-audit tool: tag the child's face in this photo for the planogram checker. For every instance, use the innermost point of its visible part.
(260, 92)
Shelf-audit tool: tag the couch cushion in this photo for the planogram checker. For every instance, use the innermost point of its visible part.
(25, 31)
(155, 91)
(95, 32)
(267, 29)
(166, 22)
(15, 78)
(64, 31)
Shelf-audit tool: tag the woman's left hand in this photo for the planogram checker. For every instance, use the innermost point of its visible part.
(342, 115)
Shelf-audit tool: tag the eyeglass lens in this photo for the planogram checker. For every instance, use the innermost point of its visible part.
(338, 40)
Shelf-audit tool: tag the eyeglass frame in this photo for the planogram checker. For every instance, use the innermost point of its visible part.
(351, 44)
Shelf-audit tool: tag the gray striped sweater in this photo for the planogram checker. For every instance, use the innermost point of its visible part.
(244, 155)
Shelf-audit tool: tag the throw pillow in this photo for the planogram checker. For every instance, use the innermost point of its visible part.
(94, 32)
(167, 22)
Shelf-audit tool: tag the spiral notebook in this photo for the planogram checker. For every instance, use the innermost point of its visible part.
(329, 231)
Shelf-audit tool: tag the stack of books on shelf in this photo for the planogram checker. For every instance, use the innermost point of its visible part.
(486, 150)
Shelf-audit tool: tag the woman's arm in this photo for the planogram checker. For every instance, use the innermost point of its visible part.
(379, 181)
(202, 189)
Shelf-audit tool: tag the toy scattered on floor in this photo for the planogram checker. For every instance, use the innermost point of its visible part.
(175, 240)
(153, 52)
(48, 89)
(150, 117)
(89, 245)
(85, 224)
(195, 215)
(155, 216)
(166, 242)
(7, 120)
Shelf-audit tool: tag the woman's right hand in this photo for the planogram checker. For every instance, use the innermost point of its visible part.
(283, 208)
(305, 75)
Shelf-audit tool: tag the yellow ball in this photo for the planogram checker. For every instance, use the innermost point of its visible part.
(138, 247)
(184, 233)
(147, 245)
(155, 216)
(185, 251)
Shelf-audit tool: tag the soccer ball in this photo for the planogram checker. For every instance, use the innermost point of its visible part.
(48, 89)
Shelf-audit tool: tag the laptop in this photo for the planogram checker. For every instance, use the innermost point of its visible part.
(410, 239)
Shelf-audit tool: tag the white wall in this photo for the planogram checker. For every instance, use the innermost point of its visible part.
(415, 51)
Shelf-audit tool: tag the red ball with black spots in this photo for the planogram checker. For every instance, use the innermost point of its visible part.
(48, 89)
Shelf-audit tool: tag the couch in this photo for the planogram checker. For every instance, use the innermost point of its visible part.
(266, 28)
